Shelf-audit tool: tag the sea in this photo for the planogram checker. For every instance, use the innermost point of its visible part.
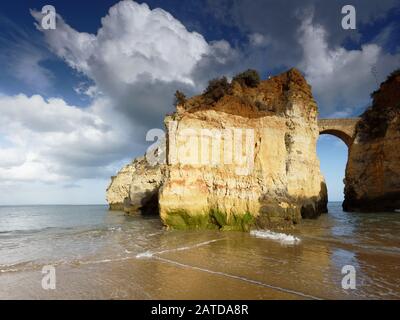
(89, 252)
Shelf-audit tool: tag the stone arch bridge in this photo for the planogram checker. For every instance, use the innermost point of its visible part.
(343, 128)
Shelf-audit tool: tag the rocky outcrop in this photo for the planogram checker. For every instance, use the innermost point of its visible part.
(372, 180)
(240, 156)
(135, 188)
(119, 188)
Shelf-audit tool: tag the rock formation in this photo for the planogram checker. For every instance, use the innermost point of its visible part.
(276, 182)
(119, 188)
(242, 154)
(372, 180)
(135, 188)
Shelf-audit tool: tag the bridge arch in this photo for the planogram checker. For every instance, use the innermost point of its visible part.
(348, 140)
(344, 129)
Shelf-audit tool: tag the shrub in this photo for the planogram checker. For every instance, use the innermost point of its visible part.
(376, 119)
(389, 78)
(394, 74)
(249, 78)
(216, 89)
(180, 98)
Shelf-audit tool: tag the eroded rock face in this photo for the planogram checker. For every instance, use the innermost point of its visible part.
(271, 176)
(373, 171)
(119, 188)
(135, 188)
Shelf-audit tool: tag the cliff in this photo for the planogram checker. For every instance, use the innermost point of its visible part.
(372, 180)
(244, 155)
(135, 188)
(119, 188)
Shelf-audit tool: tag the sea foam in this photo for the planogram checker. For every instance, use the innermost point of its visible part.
(281, 237)
(144, 255)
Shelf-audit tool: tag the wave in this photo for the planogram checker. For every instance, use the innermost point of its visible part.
(76, 230)
(31, 231)
(102, 260)
(9, 270)
(37, 265)
(23, 231)
(149, 254)
(281, 237)
(19, 266)
(353, 244)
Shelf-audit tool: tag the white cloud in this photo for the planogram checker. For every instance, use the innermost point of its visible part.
(11, 157)
(133, 41)
(50, 141)
(341, 79)
(136, 61)
(38, 115)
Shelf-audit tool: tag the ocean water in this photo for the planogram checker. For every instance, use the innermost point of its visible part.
(98, 254)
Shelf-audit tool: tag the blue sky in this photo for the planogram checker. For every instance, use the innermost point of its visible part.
(76, 102)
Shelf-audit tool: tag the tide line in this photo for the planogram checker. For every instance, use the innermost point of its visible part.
(149, 254)
(154, 255)
(255, 282)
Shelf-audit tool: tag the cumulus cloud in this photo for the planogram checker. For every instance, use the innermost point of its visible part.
(48, 140)
(138, 58)
(133, 42)
(342, 80)
(134, 63)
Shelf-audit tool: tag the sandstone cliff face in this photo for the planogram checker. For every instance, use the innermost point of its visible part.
(248, 159)
(372, 180)
(119, 188)
(135, 188)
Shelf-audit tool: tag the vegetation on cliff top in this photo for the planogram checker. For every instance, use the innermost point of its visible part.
(216, 89)
(385, 106)
(219, 87)
(180, 98)
(250, 78)
(249, 96)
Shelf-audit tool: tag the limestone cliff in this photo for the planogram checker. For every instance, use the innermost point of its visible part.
(119, 188)
(242, 155)
(135, 188)
(372, 180)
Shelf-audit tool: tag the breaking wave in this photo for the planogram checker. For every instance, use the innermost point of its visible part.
(281, 237)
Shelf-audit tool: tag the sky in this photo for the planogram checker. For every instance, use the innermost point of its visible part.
(76, 102)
